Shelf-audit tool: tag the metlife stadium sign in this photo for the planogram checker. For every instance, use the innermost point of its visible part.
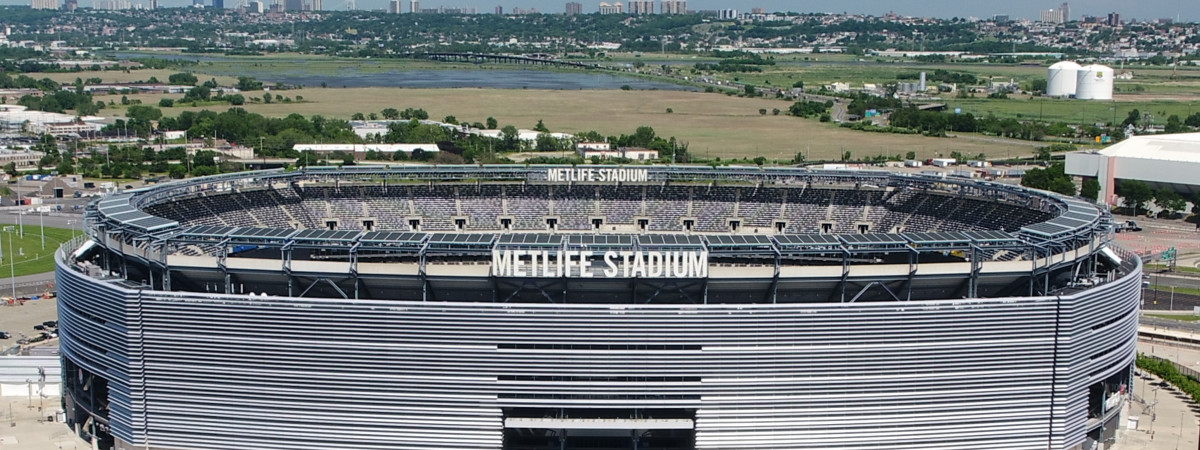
(597, 175)
(610, 264)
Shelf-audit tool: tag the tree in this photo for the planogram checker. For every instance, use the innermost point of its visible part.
(760, 160)
(1169, 201)
(547, 143)
(10, 169)
(1132, 118)
(248, 84)
(1090, 190)
(166, 103)
(182, 79)
(177, 171)
(540, 127)
(492, 124)
(910, 155)
(358, 116)
(1174, 125)
(762, 111)
(1052, 179)
(1191, 121)
(510, 138)
(390, 113)
(1135, 194)
(450, 120)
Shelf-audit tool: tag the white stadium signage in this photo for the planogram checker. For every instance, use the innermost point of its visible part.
(609, 175)
(610, 264)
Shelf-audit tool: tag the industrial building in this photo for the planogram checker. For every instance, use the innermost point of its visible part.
(1164, 161)
(16, 118)
(514, 307)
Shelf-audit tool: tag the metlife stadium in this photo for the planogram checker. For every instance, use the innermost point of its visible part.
(543, 307)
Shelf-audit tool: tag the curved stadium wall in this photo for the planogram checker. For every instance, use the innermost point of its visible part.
(150, 367)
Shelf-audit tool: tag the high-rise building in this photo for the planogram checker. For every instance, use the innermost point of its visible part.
(673, 7)
(393, 7)
(1114, 19)
(1051, 16)
(727, 14)
(70, 5)
(43, 4)
(757, 11)
(218, 4)
(639, 7)
(616, 8)
(255, 7)
(414, 6)
(1065, 12)
(316, 5)
(499, 10)
(574, 8)
(293, 5)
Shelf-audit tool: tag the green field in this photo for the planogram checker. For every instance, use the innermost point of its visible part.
(27, 254)
(1073, 111)
(1177, 290)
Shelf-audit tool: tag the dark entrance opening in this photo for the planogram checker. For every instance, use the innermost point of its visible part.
(576, 429)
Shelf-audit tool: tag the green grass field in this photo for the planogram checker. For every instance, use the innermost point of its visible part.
(1177, 290)
(27, 254)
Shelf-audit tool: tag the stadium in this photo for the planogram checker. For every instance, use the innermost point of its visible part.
(595, 307)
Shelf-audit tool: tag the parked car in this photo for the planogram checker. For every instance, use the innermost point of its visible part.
(5, 335)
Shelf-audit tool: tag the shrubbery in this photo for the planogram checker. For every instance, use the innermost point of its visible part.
(1164, 369)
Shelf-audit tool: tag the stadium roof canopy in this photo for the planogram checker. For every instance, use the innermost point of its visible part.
(1168, 161)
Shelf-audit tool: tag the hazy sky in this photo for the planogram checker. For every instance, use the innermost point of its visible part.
(1187, 10)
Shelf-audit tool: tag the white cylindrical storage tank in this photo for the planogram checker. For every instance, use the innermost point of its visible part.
(1094, 82)
(1061, 79)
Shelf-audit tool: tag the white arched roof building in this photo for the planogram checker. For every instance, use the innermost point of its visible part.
(1163, 161)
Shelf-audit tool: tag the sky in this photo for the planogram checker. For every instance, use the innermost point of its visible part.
(1186, 10)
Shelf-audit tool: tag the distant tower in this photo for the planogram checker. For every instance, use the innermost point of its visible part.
(1065, 10)
(574, 8)
(499, 10)
(394, 7)
(218, 4)
(316, 5)
(414, 6)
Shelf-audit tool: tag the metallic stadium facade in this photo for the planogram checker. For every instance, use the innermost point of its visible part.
(910, 313)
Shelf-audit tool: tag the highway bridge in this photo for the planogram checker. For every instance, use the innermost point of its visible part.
(539, 59)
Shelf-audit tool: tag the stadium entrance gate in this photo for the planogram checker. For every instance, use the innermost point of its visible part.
(593, 429)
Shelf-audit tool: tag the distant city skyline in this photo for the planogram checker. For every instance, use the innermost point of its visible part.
(1184, 10)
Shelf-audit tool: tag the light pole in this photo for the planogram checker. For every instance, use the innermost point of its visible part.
(12, 268)
(42, 224)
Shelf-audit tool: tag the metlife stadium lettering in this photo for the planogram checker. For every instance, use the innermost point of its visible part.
(611, 264)
(602, 175)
